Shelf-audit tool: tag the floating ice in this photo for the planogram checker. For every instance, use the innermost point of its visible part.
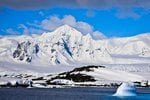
(126, 89)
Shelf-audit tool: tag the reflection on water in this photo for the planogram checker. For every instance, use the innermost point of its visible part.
(68, 94)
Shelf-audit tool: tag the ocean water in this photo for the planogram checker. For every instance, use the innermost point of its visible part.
(68, 94)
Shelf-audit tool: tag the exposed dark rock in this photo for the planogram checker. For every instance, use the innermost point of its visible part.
(16, 53)
(87, 50)
(29, 59)
(22, 57)
(25, 50)
(36, 79)
(67, 48)
(57, 61)
(36, 48)
(76, 76)
(87, 68)
(53, 50)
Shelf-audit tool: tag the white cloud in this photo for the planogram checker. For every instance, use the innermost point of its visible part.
(11, 31)
(51, 23)
(84, 27)
(98, 35)
(127, 13)
(25, 29)
(30, 30)
(69, 20)
(54, 22)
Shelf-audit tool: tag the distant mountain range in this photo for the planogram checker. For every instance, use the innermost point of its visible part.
(68, 46)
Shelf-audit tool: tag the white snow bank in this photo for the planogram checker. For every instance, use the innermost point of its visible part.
(5, 81)
(63, 81)
(38, 86)
(126, 89)
(13, 81)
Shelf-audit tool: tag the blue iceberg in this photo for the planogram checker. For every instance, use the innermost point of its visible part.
(126, 89)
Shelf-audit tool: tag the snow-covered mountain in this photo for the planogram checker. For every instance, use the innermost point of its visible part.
(49, 59)
(68, 46)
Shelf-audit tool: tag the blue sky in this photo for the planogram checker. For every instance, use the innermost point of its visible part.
(112, 21)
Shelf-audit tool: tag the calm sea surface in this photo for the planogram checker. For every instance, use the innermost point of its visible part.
(68, 94)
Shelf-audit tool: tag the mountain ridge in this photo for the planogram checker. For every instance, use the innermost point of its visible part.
(66, 46)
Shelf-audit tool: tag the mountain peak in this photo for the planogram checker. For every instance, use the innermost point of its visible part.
(65, 27)
(67, 30)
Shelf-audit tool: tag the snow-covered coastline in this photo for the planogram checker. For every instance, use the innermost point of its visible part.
(98, 76)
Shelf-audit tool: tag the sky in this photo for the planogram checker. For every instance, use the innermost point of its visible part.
(103, 18)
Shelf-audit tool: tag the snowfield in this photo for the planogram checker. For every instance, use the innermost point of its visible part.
(50, 54)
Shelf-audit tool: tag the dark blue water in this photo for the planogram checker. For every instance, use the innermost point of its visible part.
(68, 94)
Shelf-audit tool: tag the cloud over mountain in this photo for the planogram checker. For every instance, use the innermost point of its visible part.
(53, 22)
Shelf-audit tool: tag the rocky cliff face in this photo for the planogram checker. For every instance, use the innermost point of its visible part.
(25, 51)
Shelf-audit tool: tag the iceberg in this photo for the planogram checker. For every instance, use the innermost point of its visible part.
(126, 89)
